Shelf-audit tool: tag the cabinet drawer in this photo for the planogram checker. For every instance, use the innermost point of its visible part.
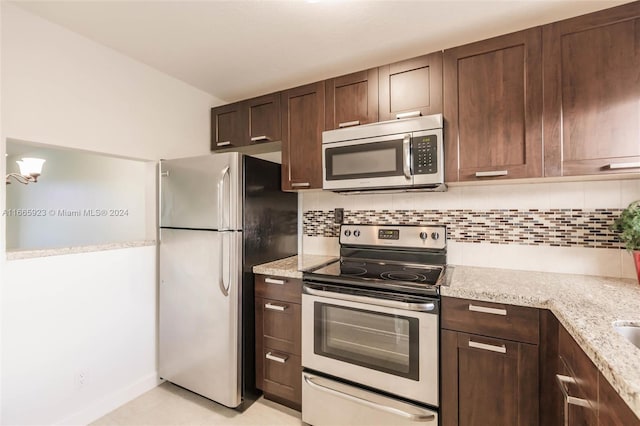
(279, 288)
(491, 319)
(281, 325)
(282, 376)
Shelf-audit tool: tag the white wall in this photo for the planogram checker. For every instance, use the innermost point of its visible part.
(62, 89)
(91, 311)
(78, 335)
(605, 194)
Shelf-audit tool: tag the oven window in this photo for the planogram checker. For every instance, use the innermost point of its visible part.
(380, 341)
(379, 159)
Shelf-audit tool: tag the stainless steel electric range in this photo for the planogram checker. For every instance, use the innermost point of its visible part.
(370, 326)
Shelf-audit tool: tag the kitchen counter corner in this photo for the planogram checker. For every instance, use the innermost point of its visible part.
(585, 305)
(291, 267)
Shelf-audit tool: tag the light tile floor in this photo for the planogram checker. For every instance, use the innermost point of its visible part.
(171, 405)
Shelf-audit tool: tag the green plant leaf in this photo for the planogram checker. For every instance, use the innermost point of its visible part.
(627, 225)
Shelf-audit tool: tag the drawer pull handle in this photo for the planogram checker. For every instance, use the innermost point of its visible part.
(274, 281)
(486, 310)
(614, 166)
(300, 185)
(226, 143)
(280, 359)
(420, 415)
(492, 173)
(493, 348)
(275, 307)
(260, 138)
(568, 399)
(408, 115)
(349, 124)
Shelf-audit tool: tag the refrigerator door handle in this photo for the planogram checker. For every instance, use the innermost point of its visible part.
(224, 288)
(221, 225)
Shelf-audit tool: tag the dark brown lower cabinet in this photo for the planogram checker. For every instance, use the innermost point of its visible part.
(278, 339)
(488, 381)
(572, 390)
(577, 378)
(282, 378)
(612, 410)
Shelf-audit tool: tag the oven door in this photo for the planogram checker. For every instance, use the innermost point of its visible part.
(386, 345)
(379, 162)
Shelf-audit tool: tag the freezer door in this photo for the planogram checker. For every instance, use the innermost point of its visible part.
(200, 293)
(201, 192)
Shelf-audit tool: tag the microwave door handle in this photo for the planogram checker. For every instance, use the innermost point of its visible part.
(406, 156)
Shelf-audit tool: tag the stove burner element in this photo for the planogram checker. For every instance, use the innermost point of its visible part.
(404, 275)
(352, 270)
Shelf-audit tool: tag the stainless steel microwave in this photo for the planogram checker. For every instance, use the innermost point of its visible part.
(402, 154)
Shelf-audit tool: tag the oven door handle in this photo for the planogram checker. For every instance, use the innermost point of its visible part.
(418, 307)
(425, 416)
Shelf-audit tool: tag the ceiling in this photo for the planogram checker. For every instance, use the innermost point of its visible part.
(239, 49)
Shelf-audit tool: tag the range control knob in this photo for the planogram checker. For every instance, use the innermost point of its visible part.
(347, 233)
(435, 235)
(423, 236)
(356, 233)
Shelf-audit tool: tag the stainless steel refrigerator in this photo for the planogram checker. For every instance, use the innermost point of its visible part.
(220, 215)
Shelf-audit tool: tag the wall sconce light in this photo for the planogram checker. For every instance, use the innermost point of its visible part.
(30, 169)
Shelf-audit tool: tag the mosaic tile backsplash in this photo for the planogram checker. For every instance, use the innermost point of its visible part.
(553, 227)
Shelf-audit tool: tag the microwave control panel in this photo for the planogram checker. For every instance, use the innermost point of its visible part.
(425, 155)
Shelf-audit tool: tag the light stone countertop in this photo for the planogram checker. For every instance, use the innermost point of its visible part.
(585, 305)
(288, 267)
(60, 251)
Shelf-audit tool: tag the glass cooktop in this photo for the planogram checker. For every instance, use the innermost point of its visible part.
(426, 275)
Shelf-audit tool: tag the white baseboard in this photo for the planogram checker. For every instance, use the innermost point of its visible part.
(110, 402)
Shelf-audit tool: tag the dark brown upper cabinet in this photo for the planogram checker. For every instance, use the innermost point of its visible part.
(411, 87)
(592, 93)
(249, 122)
(352, 100)
(228, 126)
(493, 108)
(302, 125)
(263, 114)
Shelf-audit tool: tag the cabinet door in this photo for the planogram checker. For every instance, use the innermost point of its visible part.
(592, 93)
(302, 126)
(572, 413)
(228, 126)
(352, 100)
(551, 399)
(411, 86)
(580, 380)
(264, 119)
(488, 381)
(612, 409)
(493, 108)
